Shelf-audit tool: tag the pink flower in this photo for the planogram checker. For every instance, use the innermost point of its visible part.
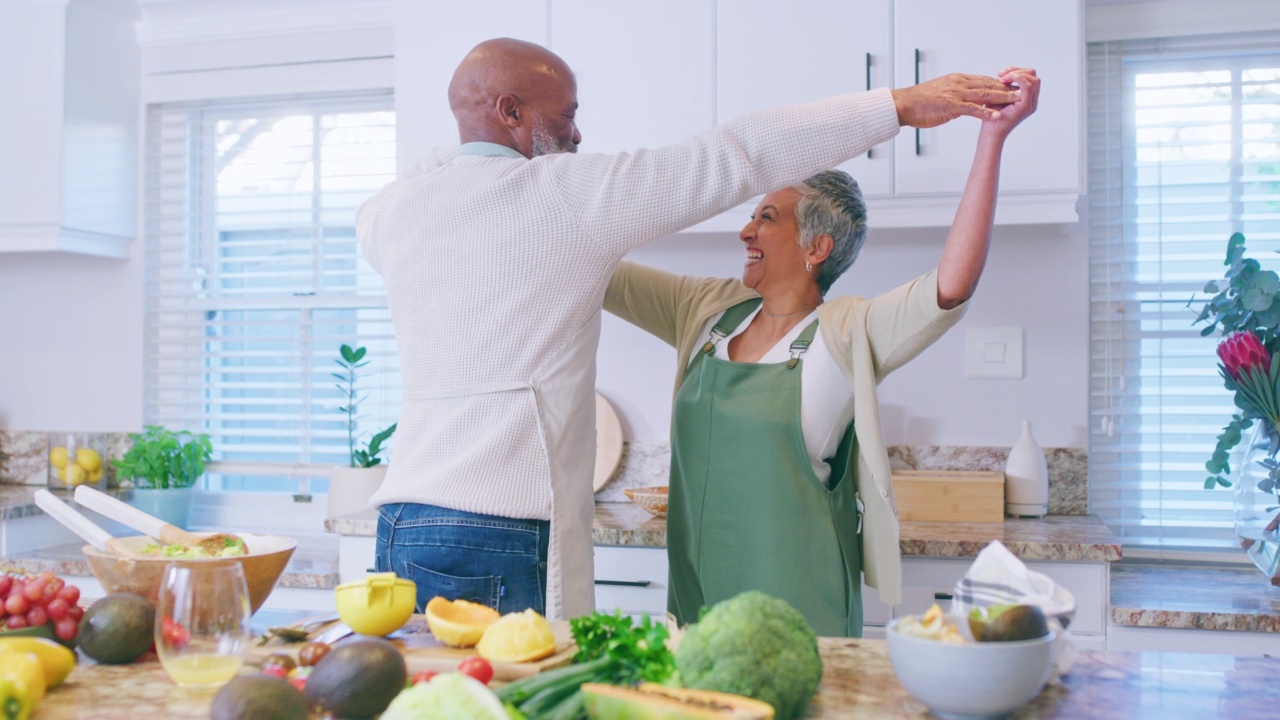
(1241, 352)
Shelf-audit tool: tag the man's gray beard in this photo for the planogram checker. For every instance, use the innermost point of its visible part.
(545, 144)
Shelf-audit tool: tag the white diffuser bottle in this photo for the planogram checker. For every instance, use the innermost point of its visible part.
(1026, 478)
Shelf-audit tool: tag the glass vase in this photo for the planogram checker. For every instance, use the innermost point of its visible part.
(1257, 501)
(77, 459)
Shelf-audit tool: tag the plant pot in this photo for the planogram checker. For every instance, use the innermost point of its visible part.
(1256, 501)
(350, 488)
(172, 505)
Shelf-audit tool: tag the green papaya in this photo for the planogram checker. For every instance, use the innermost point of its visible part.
(650, 701)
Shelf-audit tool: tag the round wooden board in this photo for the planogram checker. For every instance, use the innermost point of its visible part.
(608, 443)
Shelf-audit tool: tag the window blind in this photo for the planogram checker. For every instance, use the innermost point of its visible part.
(254, 278)
(1184, 149)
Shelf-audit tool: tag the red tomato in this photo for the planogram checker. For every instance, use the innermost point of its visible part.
(279, 671)
(298, 681)
(478, 668)
(422, 676)
(174, 634)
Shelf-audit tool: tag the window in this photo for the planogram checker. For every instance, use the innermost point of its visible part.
(254, 279)
(1184, 150)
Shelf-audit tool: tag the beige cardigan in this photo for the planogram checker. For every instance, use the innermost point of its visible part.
(869, 338)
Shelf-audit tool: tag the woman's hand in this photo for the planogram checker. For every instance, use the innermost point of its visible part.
(1024, 79)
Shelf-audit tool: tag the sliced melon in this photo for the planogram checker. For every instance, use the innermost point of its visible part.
(650, 701)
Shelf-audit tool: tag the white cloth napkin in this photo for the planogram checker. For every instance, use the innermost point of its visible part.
(998, 577)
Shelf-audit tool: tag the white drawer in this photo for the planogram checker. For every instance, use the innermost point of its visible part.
(633, 580)
(929, 580)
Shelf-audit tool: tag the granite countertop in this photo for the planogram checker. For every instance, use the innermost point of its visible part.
(18, 501)
(1068, 538)
(857, 681)
(1223, 598)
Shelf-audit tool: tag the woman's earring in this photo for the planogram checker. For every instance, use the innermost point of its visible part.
(808, 267)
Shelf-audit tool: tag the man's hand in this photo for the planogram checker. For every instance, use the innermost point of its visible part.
(944, 99)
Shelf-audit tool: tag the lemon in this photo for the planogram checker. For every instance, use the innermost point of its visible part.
(75, 475)
(458, 623)
(88, 459)
(58, 457)
(95, 476)
(517, 637)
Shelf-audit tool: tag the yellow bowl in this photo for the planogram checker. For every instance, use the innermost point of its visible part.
(377, 605)
(263, 566)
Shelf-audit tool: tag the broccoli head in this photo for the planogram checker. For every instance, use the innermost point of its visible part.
(753, 645)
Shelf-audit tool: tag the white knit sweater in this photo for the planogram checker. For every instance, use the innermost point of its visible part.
(495, 270)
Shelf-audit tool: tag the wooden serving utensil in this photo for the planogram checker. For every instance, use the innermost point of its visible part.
(120, 511)
(77, 523)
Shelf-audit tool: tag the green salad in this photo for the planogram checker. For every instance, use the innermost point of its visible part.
(232, 548)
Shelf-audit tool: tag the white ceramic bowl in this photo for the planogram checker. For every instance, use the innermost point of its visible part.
(970, 680)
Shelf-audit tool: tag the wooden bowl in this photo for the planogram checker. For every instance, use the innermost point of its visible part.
(263, 566)
(653, 499)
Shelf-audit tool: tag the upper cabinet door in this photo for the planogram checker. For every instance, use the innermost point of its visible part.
(645, 70)
(983, 37)
(770, 53)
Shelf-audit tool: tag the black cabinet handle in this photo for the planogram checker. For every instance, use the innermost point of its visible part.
(868, 87)
(917, 82)
(942, 596)
(627, 583)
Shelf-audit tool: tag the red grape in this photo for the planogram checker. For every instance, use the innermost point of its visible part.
(45, 576)
(16, 622)
(17, 604)
(66, 629)
(34, 591)
(57, 609)
(6, 583)
(37, 616)
(70, 593)
(75, 612)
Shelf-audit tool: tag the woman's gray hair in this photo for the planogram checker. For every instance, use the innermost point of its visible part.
(831, 203)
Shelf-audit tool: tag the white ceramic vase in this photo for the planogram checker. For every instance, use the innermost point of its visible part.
(1026, 478)
(350, 488)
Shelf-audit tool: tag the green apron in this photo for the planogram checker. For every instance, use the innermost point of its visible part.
(746, 511)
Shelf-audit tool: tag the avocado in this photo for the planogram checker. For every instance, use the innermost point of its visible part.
(117, 629)
(1008, 623)
(259, 697)
(358, 678)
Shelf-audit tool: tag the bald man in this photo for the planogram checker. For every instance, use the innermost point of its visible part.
(495, 259)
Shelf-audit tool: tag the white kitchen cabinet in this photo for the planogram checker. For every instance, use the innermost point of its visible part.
(768, 54)
(631, 579)
(69, 133)
(936, 37)
(645, 70)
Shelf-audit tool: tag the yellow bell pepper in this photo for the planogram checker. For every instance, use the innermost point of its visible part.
(22, 684)
(57, 660)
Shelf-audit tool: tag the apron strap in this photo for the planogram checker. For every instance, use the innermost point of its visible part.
(801, 344)
(729, 322)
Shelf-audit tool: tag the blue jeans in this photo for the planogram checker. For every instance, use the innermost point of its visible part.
(495, 561)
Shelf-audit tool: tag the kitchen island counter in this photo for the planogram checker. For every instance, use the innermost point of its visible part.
(858, 681)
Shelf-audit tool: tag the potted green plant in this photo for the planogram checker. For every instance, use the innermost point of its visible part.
(163, 465)
(351, 486)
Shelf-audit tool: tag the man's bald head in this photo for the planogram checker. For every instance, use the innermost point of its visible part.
(518, 94)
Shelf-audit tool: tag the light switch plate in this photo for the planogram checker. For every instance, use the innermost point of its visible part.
(994, 352)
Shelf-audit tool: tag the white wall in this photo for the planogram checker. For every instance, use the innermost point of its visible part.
(1036, 278)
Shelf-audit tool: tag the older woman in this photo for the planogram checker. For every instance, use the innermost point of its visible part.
(776, 443)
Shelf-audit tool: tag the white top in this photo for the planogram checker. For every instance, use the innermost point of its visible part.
(826, 400)
(495, 267)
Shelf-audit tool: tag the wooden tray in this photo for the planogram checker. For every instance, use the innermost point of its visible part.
(422, 651)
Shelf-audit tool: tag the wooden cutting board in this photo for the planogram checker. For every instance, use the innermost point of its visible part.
(422, 651)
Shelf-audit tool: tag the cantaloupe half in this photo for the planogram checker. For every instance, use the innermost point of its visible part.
(650, 701)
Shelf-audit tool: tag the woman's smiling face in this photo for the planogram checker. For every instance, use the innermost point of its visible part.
(772, 238)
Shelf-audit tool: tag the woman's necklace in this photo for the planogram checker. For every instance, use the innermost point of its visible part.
(778, 315)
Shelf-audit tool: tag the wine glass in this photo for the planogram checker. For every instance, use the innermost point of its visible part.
(202, 622)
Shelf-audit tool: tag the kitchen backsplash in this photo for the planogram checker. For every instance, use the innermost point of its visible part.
(645, 464)
(24, 458)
